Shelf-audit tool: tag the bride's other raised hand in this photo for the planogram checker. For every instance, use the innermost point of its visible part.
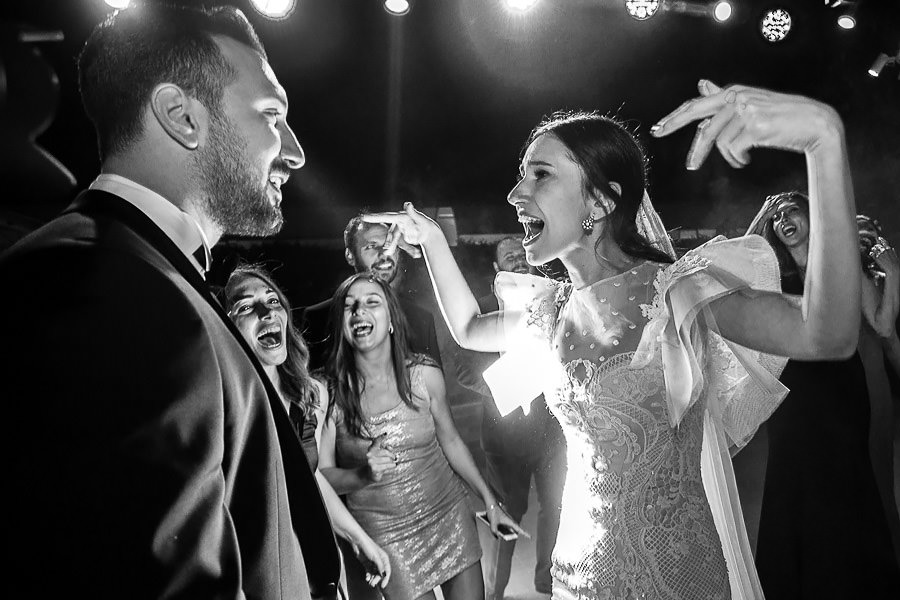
(737, 118)
(415, 227)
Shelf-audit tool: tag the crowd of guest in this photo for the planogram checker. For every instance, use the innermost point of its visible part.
(172, 437)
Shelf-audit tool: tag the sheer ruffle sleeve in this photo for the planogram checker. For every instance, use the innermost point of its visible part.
(529, 308)
(740, 385)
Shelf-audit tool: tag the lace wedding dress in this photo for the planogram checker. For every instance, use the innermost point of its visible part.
(650, 398)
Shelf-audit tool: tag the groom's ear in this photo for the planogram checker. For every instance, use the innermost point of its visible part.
(180, 116)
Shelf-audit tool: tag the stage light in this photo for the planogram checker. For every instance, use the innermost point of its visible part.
(641, 9)
(775, 24)
(520, 5)
(118, 4)
(274, 9)
(879, 64)
(723, 11)
(846, 22)
(396, 7)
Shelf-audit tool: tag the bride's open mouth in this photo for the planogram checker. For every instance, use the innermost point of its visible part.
(533, 228)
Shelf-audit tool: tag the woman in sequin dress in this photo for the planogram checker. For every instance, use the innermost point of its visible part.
(261, 312)
(391, 446)
(654, 367)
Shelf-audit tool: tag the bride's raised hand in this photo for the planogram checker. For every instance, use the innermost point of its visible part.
(737, 118)
(414, 227)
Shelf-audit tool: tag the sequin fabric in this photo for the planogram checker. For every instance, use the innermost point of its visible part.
(635, 518)
(418, 513)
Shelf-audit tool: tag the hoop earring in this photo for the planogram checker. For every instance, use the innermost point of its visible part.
(391, 329)
(588, 225)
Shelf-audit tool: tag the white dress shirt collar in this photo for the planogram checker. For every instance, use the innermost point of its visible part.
(179, 226)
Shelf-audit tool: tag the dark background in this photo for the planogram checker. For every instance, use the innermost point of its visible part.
(433, 107)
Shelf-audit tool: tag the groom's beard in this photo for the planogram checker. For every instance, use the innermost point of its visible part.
(235, 197)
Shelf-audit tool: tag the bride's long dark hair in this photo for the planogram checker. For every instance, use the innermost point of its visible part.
(606, 151)
(347, 384)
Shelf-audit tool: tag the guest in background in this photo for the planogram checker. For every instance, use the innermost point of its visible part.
(364, 250)
(260, 310)
(878, 337)
(517, 448)
(390, 444)
(823, 531)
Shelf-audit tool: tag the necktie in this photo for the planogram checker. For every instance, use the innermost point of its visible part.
(201, 258)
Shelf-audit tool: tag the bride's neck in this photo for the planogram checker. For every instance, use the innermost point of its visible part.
(588, 264)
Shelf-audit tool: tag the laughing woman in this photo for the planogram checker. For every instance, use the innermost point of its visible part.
(655, 366)
(391, 446)
(261, 312)
(821, 490)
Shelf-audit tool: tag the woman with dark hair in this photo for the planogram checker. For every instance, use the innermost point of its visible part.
(390, 444)
(261, 312)
(822, 491)
(654, 367)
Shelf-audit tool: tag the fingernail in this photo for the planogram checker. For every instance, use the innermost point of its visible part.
(655, 129)
(703, 85)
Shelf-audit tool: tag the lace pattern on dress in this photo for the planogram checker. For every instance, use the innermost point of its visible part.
(637, 524)
(543, 312)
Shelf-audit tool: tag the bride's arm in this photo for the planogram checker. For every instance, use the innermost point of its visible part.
(469, 328)
(826, 323)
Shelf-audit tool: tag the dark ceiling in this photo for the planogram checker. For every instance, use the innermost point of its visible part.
(433, 106)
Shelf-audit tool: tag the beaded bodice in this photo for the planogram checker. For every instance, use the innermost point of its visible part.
(635, 519)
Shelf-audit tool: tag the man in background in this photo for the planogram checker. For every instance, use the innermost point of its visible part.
(517, 449)
(364, 250)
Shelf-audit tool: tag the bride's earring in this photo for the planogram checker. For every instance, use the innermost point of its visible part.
(588, 225)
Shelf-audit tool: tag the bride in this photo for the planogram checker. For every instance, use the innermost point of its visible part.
(659, 367)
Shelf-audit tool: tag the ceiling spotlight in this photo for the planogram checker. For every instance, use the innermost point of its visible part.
(520, 5)
(118, 4)
(396, 7)
(722, 11)
(274, 9)
(846, 22)
(879, 64)
(641, 9)
(775, 24)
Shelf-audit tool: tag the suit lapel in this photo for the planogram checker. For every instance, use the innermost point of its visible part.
(309, 516)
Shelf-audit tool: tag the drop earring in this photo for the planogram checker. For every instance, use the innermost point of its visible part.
(588, 224)
(391, 329)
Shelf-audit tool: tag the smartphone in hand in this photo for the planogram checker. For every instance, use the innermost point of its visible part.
(506, 532)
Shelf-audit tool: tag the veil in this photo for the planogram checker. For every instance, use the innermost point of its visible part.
(651, 227)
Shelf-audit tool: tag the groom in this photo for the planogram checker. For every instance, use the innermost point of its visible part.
(146, 453)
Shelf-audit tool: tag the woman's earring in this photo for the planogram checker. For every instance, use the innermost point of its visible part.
(391, 329)
(588, 224)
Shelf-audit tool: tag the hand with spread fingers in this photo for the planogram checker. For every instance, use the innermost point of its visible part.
(737, 118)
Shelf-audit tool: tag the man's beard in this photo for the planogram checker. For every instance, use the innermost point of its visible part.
(232, 196)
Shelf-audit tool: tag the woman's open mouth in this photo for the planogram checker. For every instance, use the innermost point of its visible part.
(270, 337)
(788, 229)
(361, 329)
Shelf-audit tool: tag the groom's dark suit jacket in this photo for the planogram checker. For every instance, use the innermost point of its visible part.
(146, 453)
